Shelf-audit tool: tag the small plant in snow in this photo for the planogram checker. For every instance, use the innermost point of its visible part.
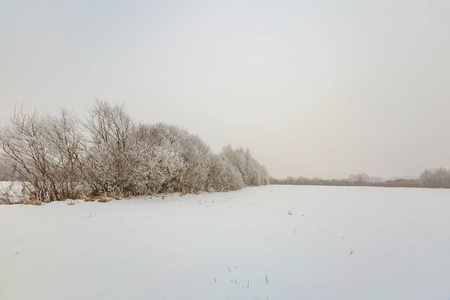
(35, 202)
(90, 199)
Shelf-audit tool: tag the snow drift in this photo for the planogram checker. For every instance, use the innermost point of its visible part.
(336, 243)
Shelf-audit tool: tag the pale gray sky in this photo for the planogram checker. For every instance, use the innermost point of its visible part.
(313, 88)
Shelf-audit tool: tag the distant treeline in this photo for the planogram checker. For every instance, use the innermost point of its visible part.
(430, 178)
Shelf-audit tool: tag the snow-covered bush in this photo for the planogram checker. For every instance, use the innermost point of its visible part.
(46, 152)
(197, 159)
(253, 173)
(236, 159)
(109, 162)
(265, 178)
(172, 159)
(61, 158)
(159, 161)
(223, 176)
(65, 143)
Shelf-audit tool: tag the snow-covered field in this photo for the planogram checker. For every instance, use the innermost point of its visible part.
(338, 243)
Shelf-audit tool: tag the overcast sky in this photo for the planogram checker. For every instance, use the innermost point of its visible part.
(313, 88)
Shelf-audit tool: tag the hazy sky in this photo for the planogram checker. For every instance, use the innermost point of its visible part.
(313, 88)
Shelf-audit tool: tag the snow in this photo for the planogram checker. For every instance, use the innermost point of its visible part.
(338, 243)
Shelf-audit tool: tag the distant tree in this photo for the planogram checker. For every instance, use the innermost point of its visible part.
(359, 179)
(435, 178)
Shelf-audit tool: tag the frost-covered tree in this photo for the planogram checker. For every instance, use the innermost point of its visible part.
(223, 176)
(66, 147)
(45, 152)
(252, 172)
(180, 160)
(61, 158)
(358, 179)
(109, 165)
(236, 159)
(197, 159)
(265, 178)
(435, 178)
(159, 161)
(6, 171)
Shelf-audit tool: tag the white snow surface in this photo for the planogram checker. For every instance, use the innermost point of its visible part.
(338, 243)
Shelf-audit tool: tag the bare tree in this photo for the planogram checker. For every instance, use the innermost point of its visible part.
(45, 152)
(359, 179)
(435, 178)
(60, 158)
(108, 165)
(66, 147)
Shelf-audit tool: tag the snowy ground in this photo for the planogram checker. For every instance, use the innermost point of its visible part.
(338, 243)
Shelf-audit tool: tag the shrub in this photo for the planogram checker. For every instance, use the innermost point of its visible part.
(110, 155)
(251, 171)
(45, 152)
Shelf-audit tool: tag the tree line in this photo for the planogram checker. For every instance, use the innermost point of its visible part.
(109, 154)
(429, 178)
